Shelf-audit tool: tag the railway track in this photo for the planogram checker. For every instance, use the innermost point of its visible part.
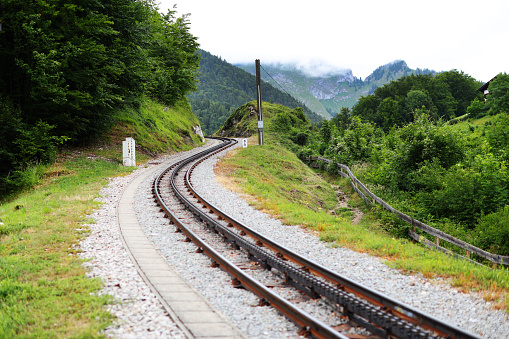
(377, 314)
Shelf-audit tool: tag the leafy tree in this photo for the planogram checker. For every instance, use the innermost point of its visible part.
(354, 144)
(68, 66)
(476, 109)
(325, 131)
(388, 113)
(417, 99)
(342, 120)
(462, 87)
(425, 90)
(498, 100)
(174, 56)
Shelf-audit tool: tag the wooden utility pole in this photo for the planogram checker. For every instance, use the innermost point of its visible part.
(259, 95)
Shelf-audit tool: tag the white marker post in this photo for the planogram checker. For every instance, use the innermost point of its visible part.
(244, 143)
(129, 152)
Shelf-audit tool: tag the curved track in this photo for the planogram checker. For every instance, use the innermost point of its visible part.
(381, 315)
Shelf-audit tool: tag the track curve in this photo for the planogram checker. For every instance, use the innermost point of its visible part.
(379, 314)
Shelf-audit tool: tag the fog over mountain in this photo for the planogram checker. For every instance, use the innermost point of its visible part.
(325, 88)
(312, 68)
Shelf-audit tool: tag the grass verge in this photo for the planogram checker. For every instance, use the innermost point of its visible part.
(278, 183)
(44, 292)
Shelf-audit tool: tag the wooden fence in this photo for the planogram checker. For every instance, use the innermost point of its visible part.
(370, 198)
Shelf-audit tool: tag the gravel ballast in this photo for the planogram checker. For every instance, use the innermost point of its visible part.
(139, 313)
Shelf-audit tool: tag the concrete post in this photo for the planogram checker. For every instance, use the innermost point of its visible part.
(129, 152)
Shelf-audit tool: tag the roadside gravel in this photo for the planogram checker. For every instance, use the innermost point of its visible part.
(139, 314)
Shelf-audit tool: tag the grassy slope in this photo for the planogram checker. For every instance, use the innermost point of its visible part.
(279, 183)
(43, 288)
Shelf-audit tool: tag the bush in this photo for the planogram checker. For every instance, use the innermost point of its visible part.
(418, 144)
(497, 134)
(301, 138)
(492, 232)
(21, 146)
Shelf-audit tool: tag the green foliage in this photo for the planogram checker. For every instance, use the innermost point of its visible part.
(497, 134)
(325, 131)
(445, 96)
(498, 99)
(68, 67)
(417, 99)
(492, 231)
(22, 146)
(342, 119)
(476, 109)
(174, 59)
(353, 144)
(301, 138)
(462, 87)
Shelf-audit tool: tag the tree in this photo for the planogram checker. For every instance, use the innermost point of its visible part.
(462, 87)
(498, 99)
(325, 131)
(342, 120)
(418, 99)
(388, 113)
(68, 66)
(476, 109)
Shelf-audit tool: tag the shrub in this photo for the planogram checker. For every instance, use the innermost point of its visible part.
(492, 232)
(21, 147)
(301, 138)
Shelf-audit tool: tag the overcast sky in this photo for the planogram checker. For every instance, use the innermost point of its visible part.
(471, 36)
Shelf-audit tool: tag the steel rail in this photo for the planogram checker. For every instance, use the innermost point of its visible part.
(377, 321)
(392, 306)
(307, 323)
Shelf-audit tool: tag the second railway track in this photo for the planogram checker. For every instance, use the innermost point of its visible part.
(379, 315)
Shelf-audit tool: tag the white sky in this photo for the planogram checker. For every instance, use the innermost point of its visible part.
(471, 36)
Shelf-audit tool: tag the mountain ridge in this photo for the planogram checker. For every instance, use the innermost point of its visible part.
(222, 88)
(325, 89)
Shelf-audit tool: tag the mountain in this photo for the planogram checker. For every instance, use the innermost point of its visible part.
(324, 89)
(222, 88)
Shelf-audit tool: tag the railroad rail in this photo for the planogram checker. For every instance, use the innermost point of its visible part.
(379, 314)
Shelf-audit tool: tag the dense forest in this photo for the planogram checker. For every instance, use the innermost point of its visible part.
(446, 95)
(68, 66)
(223, 87)
(449, 173)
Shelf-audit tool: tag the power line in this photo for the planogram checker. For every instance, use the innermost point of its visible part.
(275, 81)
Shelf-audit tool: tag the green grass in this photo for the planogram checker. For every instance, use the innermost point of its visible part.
(158, 128)
(278, 183)
(44, 292)
(43, 288)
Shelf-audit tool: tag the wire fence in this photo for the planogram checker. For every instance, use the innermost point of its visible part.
(370, 199)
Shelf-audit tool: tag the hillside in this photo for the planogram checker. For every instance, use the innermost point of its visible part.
(223, 87)
(326, 93)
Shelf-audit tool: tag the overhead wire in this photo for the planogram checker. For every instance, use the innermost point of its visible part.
(276, 81)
